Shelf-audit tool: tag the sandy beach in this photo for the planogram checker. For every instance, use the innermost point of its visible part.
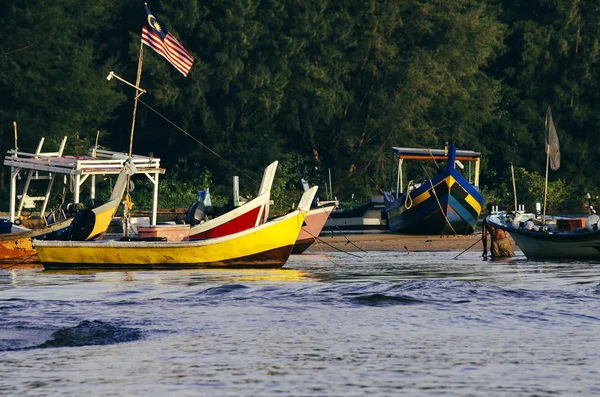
(396, 242)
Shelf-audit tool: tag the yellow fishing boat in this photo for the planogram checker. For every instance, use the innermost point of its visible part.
(88, 224)
(16, 240)
(266, 246)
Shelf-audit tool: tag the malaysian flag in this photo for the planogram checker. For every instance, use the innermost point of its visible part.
(163, 42)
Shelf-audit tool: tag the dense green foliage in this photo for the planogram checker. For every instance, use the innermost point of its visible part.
(325, 86)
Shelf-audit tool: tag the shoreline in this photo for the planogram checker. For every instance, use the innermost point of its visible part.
(353, 242)
(397, 242)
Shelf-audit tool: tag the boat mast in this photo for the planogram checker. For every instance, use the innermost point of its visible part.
(330, 186)
(546, 183)
(548, 125)
(138, 93)
(512, 171)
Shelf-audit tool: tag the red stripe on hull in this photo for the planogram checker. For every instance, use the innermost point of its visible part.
(241, 223)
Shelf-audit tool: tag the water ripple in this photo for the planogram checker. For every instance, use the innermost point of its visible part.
(422, 324)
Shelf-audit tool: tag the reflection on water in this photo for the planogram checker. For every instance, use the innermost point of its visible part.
(372, 323)
(16, 278)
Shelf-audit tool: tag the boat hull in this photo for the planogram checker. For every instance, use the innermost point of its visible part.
(313, 224)
(565, 247)
(366, 218)
(446, 205)
(272, 259)
(266, 246)
(582, 245)
(17, 247)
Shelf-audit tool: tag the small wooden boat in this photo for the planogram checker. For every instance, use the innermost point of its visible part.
(88, 224)
(16, 246)
(447, 203)
(248, 215)
(313, 224)
(363, 218)
(266, 246)
(543, 242)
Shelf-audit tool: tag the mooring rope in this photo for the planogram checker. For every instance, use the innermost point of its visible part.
(318, 241)
(438, 201)
(408, 198)
(198, 141)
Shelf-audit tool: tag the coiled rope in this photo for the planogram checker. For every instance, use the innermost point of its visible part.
(408, 199)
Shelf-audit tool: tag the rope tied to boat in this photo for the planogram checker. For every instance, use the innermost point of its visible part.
(408, 199)
(439, 204)
(433, 158)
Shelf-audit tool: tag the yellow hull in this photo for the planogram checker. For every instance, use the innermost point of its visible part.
(268, 245)
(16, 248)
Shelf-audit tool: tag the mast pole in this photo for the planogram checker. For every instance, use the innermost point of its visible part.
(330, 186)
(546, 183)
(512, 171)
(138, 93)
(16, 139)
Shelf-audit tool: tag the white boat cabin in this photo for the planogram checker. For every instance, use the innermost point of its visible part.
(47, 165)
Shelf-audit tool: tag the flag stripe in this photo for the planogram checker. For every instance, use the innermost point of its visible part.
(171, 41)
(154, 41)
(170, 49)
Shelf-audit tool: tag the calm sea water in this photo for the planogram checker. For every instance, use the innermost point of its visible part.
(368, 324)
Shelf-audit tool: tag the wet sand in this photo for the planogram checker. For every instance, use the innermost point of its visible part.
(396, 242)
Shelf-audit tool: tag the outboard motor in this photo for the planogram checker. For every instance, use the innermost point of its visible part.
(79, 230)
(200, 210)
(195, 214)
(82, 225)
(591, 223)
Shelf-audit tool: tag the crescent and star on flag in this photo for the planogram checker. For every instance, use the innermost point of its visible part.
(153, 23)
(165, 44)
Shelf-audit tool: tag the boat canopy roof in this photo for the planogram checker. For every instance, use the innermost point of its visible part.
(79, 168)
(438, 154)
(96, 162)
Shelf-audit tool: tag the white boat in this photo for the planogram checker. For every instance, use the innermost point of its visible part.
(364, 218)
(572, 242)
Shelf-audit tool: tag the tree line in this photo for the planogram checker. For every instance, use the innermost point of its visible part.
(322, 86)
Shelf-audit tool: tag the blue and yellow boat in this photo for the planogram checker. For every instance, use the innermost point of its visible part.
(447, 203)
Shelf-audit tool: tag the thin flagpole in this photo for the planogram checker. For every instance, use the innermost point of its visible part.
(138, 93)
(546, 183)
(512, 171)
